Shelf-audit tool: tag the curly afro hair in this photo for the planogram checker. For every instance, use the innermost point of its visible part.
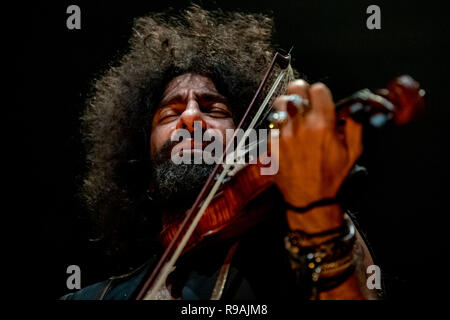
(233, 49)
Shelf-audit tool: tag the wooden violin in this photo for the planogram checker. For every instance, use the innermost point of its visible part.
(219, 211)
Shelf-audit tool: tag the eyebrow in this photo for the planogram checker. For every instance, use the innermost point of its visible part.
(202, 96)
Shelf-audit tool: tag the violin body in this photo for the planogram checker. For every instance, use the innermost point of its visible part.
(226, 217)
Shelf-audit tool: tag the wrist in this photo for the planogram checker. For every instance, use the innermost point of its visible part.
(317, 219)
(324, 265)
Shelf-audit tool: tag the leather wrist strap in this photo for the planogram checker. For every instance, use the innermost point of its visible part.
(315, 204)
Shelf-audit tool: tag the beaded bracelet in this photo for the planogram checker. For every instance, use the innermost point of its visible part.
(325, 265)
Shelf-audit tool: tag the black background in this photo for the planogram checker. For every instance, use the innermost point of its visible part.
(406, 206)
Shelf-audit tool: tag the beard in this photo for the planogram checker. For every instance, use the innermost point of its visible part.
(176, 186)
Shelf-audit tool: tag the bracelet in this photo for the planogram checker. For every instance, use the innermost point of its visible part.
(324, 284)
(326, 265)
(337, 241)
(298, 238)
(315, 204)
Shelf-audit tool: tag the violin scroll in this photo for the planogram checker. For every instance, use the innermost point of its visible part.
(408, 98)
(401, 102)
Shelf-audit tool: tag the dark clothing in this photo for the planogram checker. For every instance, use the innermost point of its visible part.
(259, 270)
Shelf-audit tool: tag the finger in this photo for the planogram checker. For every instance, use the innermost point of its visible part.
(322, 105)
(299, 87)
(280, 104)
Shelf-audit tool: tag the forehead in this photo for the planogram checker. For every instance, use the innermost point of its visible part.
(188, 82)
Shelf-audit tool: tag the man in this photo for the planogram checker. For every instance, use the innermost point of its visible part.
(204, 67)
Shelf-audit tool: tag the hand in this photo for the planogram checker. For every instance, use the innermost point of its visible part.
(314, 156)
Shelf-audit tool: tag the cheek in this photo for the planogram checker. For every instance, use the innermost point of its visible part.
(158, 137)
(221, 127)
(224, 125)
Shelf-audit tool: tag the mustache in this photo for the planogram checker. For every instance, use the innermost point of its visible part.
(165, 151)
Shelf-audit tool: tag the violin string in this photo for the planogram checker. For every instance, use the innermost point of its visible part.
(256, 118)
(151, 295)
(169, 265)
(258, 114)
(280, 91)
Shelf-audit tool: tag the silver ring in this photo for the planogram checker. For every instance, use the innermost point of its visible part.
(277, 119)
(298, 101)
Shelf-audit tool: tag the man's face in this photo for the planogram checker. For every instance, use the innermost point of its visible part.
(187, 99)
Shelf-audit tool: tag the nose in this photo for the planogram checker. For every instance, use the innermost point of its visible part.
(190, 115)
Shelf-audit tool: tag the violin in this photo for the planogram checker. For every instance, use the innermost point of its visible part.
(219, 211)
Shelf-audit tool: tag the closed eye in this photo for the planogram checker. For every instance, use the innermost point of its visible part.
(217, 110)
(168, 114)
